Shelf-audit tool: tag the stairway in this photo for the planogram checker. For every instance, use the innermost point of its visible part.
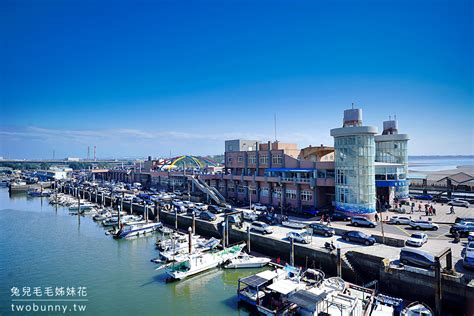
(203, 187)
(347, 262)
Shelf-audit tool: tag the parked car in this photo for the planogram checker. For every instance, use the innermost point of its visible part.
(464, 219)
(416, 257)
(358, 237)
(200, 206)
(322, 229)
(196, 211)
(178, 192)
(188, 204)
(249, 215)
(215, 209)
(302, 237)
(417, 239)
(400, 210)
(423, 197)
(423, 225)
(441, 199)
(399, 220)
(362, 221)
(469, 247)
(468, 258)
(234, 219)
(458, 202)
(470, 236)
(261, 227)
(463, 228)
(207, 216)
(311, 212)
(258, 207)
(338, 216)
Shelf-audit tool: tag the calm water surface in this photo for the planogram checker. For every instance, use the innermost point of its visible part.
(41, 246)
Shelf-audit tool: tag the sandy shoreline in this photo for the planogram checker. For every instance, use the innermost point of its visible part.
(436, 175)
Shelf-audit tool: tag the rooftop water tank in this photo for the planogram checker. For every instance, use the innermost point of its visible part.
(352, 117)
(390, 127)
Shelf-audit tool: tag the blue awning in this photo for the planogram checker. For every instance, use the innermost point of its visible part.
(289, 170)
(390, 183)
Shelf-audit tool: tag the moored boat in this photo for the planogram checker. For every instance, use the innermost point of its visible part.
(136, 229)
(199, 262)
(247, 261)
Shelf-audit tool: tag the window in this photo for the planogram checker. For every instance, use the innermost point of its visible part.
(291, 194)
(240, 159)
(277, 159)
(264, 191)
(306, 195)
(277, 192)
(240, 189)
(229, 159)
(263, 159)
(253, 190)
(252, 159)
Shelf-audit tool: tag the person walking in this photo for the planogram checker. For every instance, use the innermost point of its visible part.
(434, 211)
(419, 207)
(412, 209)
(328, 220)
(451, 210)
(376, 217)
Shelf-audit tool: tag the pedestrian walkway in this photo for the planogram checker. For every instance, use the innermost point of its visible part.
(443, 215)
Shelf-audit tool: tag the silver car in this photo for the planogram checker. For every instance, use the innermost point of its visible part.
(457, 202)
(398, 220)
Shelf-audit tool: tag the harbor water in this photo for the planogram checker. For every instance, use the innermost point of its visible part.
(43, 247)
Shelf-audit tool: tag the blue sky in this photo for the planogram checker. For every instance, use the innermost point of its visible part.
(139, 78)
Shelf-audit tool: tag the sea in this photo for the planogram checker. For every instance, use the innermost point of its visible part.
(51, 258)
(438, 163)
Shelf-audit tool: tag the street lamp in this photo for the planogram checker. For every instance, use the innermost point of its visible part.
(249, 188)
(381, 219)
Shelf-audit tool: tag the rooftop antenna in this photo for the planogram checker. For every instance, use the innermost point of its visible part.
(88, 152)
(94, 153)
(275, 124)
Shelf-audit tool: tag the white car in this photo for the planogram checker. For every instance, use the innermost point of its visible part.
(457, 202)
(188, 204)
(417, 239)
(423, 225)
(261, 227)
(200, 206)
(302, 237)
(249, 215)
(258, 207)
(397, 220)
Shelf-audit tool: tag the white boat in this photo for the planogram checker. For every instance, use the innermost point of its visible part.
(136, 229)
(247, 261)
(82, 207)
(179, 251)
(200, 262)
(417, 309)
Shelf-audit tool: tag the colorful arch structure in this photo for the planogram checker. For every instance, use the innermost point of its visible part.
(188, 161)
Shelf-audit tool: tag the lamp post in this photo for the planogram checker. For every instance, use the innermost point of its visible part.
(381, 219)
(249, 188)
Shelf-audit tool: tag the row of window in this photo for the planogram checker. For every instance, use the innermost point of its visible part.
(290, 194)
(252, 159)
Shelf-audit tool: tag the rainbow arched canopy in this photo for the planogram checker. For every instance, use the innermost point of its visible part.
(187, 161)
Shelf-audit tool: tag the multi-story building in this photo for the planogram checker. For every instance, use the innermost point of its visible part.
(362, 172)
(354, 146)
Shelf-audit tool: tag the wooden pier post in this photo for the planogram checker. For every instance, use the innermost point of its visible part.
(175, 219)
(292, 252)
(248, 239)
(194, 223)
(157, 212)
(190, 239)
(227, 231)
(339, 262)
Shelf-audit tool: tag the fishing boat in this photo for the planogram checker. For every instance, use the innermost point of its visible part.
(113, 221)
(199, 262)
(247, 261)
(102, 215)
(417, 309)
(136, 229)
